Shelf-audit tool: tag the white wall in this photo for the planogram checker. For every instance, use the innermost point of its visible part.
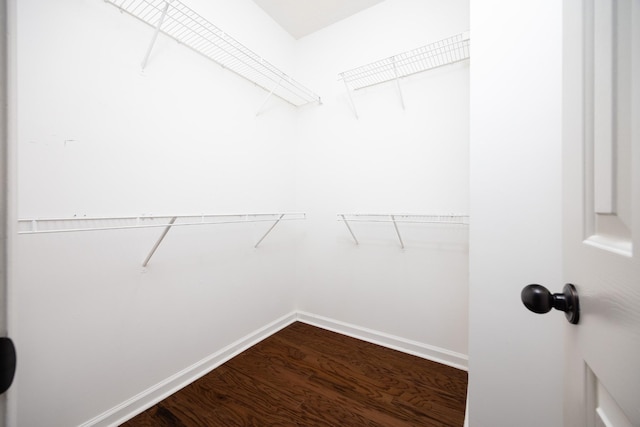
(515, 356)
(96, 136)
(389, 160)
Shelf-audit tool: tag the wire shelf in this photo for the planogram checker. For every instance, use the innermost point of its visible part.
(181, 23)
(409, 218)
(438, 219)
(444, 52)
(66, 225)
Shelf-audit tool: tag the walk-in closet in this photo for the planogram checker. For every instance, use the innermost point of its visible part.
(192, 178)
(189, 178)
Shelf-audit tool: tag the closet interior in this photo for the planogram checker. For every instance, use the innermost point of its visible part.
(145, 135)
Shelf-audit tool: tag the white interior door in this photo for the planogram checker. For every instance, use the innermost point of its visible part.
(7, 351)
(601, 159)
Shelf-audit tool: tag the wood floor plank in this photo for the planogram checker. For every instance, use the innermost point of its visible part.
(406, 384)
(389, 366)
(334, 383)
(343, 346)
(307, 376)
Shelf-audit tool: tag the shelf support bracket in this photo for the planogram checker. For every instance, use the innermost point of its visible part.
(269, 230)
(395, 225)
(268, 97)
(350, 230)
(353, 105)
(155, 34)
(395, 71)
(162, 236)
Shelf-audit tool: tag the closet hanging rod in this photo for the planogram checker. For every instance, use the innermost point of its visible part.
(78, 224)
(174, 19)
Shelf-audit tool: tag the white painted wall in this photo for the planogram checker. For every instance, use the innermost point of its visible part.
(389, 160)
(515, 356)
(97, 137)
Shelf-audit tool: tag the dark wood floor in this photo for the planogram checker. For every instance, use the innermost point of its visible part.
(307, 376)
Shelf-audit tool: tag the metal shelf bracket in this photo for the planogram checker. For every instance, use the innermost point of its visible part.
(395, 71)
(155, 33)
(269, 230)
(350, 230)
(162, 236)
(267, 97)
(395, 225)
(353, 105)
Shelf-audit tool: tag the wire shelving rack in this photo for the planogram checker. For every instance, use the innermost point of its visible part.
(174, 19)
(444, 52)
(395, 219)
(166, 222)
(434, 55)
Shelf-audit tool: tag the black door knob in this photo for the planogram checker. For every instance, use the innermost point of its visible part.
(538, 299)
(7, 363)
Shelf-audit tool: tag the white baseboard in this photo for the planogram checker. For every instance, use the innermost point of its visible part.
(429, 352)
(149, 397)
(466, 411)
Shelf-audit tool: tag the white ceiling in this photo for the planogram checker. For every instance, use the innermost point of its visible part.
(303, 17)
